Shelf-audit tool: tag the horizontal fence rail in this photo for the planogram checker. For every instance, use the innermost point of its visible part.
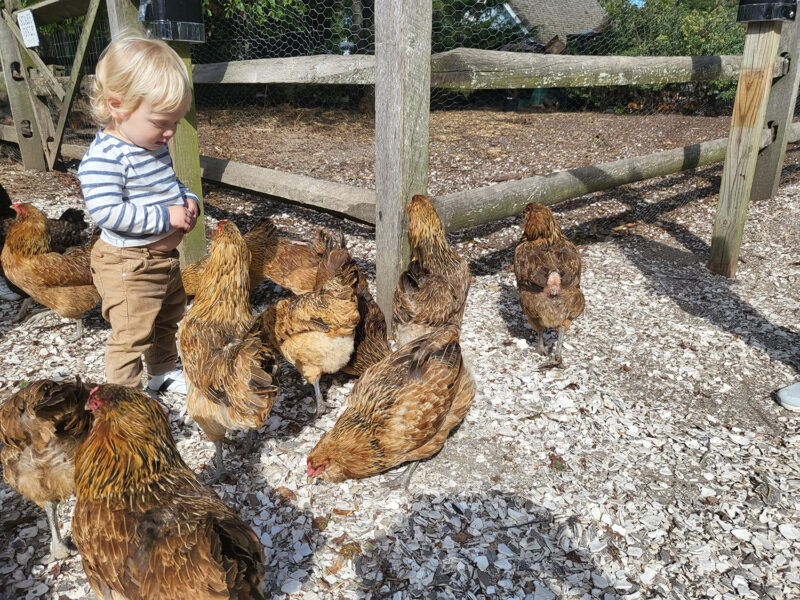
(469, 208)
(465, 69)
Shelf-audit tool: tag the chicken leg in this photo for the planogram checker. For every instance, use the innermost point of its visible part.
(318, 393)
(58, 548)
(217, 461)
(556, 361)
(404, 479)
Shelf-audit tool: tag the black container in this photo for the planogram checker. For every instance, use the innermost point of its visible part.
(175, 20)
(766, 10)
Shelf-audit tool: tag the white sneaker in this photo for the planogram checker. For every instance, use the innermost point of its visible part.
(6, 293)
(171, 381)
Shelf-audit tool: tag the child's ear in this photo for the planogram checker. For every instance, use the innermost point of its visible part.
(114, 105)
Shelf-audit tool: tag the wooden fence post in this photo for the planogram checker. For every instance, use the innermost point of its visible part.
(185, 151)
(780, 111)
(22, 108)
(750, 107)
(402, 115)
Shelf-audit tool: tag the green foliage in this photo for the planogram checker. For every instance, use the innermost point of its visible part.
(665, 28)
(481, 24)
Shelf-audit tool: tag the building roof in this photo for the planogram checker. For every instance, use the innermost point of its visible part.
(559, 17)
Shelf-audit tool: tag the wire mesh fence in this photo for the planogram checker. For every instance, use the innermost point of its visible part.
(327, 131)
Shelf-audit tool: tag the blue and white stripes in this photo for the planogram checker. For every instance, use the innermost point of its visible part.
(127, 190)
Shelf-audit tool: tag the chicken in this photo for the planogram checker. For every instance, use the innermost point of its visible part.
(41, 427)
(144, 523)
(548, 270)
(230, 369)
(433, 290)
(292, 264)
(61, 282)
(65, 231)
(370, 343)
(316, 331)
(259, 240)
(401, 409)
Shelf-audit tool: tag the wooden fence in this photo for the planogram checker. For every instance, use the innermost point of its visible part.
(403, 72)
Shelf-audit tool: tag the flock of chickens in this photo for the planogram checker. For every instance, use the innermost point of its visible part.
(146, 525)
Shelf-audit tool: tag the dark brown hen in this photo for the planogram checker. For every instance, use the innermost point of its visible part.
(144, 524)
(548, 269)
(432, 292)
(41, 427)
(401, 409)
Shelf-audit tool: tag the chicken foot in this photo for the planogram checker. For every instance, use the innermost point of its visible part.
(36, 316)
(218, 462)
(556, 361)
(318, 393)
(404, 479)
(59, 549)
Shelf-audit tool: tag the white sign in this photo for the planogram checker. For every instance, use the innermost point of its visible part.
(28, 28)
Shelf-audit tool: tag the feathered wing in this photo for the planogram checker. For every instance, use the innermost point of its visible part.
(40, 428)
(431, 299)
(258, 240)
(402, 408)
(534, 262)
(177, 540)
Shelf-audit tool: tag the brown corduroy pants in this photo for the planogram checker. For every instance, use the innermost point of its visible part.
(143, 300)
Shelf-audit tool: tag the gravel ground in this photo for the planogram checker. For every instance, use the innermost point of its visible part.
(653, 465)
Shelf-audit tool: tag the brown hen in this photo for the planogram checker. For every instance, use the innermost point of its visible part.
(144, 523)
(316, 331)
(401, 409)
(548, 269)
(41, 427)
(260, 242)
(61, 282)
(230, 370)
(370, 342)
(292, 264)
(433, 290)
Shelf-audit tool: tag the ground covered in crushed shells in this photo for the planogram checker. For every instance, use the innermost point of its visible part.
(655, 464)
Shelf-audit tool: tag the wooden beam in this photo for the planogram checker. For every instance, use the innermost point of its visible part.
(468, 69)
(89, 27)
(780, 111)
(749, 110)
(54, 11)
(185, 152)
(461, 209)
(354, 69)
(345, 200)
(354, 202)
(25, 121)
(477, 206)
(35, 58)
(402, 117)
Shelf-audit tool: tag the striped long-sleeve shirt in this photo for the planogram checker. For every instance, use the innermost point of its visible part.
(127, 190)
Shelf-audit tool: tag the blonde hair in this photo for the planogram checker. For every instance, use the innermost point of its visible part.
(131, 68)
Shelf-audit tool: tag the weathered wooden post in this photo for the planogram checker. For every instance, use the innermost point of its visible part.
(21, 101)
(22, 109)
(402, 115)
(760, 51)
(780, 111)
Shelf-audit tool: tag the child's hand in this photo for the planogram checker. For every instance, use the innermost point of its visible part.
(180, 218)
(192, 209)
